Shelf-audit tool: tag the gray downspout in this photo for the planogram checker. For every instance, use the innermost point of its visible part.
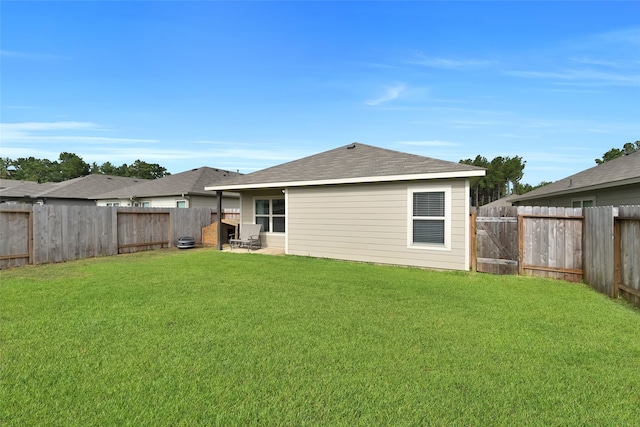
(219, 208)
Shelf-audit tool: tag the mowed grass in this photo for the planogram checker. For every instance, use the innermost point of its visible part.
(199, 337)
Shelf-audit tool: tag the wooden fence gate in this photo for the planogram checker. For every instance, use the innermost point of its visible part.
(535, 241)
(496, 240)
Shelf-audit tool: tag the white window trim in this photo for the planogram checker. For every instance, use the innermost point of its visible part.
(271, 199)
(447, 218)
(186, 203)
(584, 199)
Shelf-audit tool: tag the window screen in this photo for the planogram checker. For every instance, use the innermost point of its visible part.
(429, 217)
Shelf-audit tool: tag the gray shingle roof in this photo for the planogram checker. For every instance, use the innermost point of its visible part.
(88, 187)
(16, 188)
(190, 182)
(620, 171)
(350, 163)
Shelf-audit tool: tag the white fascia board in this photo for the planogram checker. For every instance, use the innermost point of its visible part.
(357, 180)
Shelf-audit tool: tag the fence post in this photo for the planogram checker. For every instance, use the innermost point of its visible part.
(520, 243)
(30, 248)
(219, 209)
(617, 249)
(473, 244)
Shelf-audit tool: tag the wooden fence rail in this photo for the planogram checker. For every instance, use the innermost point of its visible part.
(40, 234)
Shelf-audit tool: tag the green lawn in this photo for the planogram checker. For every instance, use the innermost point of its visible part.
(199, 337)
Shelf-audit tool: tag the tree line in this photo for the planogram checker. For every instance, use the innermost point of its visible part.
(614, 153)
(504, 174)
(501, 179)
(70, 165)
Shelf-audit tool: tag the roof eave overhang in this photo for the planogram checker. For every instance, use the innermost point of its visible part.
(151, 196)
(356, 180)
(587, 188)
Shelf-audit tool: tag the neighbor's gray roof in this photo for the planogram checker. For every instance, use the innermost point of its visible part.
(85, 187)
(191, 182)
(88, 187)
(351, 163)
(621, 171)
(18, 188)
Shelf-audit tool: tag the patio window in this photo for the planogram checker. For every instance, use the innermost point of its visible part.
(429, 218)
(271, 214)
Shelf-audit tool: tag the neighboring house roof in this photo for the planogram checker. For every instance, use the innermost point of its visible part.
(12, 183)
(11, 188)
(190, 182)
(621, 171)
(353, 163)
(85, 187)
(89, 186)
(503, 201)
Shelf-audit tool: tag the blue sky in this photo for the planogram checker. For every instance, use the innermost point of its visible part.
(248, 85)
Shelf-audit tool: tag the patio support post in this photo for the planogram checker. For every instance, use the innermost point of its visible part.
(219, 197)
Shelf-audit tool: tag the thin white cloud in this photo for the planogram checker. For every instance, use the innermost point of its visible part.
(245, 160)
(18, 152)
(42, 126)
(48, 132)
(515, 136)
(448, 63)
(629, 36)
(82, 139)
(586, 76)
(391, 93)
(28, 55)
(584, 60)
(17, 107)
(214, 142)
(433, 143)
(467, 124)
(601, 59)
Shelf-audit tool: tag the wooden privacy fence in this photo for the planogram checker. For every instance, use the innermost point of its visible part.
(600, 246)
(40, 234)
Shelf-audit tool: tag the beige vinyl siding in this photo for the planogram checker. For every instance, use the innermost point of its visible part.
(369, 222)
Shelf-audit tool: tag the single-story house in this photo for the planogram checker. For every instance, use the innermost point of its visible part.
(613, 183)
(80, 191)
(362, 203)
(182, 190)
